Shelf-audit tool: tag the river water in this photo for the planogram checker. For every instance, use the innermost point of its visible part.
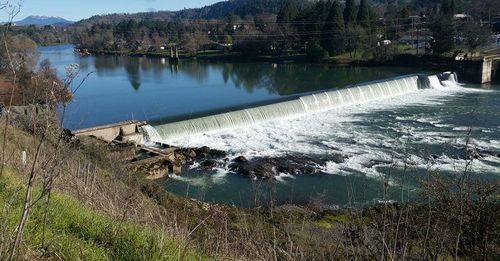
(425, 130)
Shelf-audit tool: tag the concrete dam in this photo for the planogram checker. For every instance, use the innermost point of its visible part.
(299, 107)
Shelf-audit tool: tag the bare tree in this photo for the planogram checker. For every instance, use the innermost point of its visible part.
(193, 42)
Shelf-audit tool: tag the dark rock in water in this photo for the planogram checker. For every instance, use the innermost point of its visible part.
(339, 158)
(240, 159)
(373, 163)
(209, 164)
(267, 168)
(200, 154)
(472, 153)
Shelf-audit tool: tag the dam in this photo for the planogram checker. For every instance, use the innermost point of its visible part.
(299, 107)
(348, 123)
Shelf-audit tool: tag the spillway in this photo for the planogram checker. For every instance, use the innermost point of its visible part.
(304, 105)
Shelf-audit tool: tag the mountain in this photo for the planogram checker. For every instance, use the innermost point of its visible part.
(43, 21)
(218, 10)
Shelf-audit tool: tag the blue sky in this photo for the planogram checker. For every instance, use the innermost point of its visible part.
(79, 9)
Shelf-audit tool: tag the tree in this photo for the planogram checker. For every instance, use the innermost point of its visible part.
(23, 53)
(356, 37)
(363, 17)
(317, 53)
(446, 7)
(349, 13)
(334, 29)
(193, 42)
(288, 12)
(443, 32)
(476, 35)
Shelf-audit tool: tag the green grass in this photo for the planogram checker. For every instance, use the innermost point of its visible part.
(74, 232)
(330, 220)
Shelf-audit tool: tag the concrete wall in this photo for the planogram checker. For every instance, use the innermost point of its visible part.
(486, 71)
(111, 132)
(478, 71)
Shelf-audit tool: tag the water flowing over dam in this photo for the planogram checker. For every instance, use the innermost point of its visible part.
(304, 105)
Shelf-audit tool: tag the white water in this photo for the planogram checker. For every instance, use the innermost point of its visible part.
(328, 132)
(305, 105)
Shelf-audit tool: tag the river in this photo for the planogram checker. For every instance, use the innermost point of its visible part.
(426, 130)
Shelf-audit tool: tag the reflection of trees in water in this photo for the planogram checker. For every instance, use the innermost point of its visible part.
(195, 70)
(288, 79)
(281, 79)
(249, 76)
(132, 67)
(107, 64)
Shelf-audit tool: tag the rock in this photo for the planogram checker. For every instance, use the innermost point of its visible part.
(240, 159)
(68, 136)
(373, 163)
(217, 154)
(174, 168)
(339, 158)
(267, 168)
(209, 164)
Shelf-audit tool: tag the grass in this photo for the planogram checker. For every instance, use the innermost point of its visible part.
(330, 220)
(74, 232)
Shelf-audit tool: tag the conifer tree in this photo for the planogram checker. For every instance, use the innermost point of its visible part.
(349, 13)
(334, 30)
(363, 17)
(288, 12)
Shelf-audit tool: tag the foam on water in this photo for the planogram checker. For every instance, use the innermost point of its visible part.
(336, 131)
(304, 105)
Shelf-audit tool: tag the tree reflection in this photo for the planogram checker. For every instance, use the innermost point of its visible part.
(280, 79)
(132, 67)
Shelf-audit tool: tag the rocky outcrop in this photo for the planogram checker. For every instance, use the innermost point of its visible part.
(267, 168)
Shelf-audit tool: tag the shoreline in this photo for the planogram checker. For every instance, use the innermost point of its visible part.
(407, 60)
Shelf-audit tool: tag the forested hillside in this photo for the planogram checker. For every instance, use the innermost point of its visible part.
(219, 10)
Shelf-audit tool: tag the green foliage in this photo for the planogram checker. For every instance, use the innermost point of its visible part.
(443, 31)
(363, 17)
(288, 12)
(334, 30)
(476, 35)
(317, 53)
(74, 232)
(349, 12)
(447, 7)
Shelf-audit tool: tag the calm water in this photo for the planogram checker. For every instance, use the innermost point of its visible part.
(125, 88)
(427, 129)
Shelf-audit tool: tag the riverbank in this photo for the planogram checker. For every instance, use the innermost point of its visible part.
(435, 62)
(100, 192)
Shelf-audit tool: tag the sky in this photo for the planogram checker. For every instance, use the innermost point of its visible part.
(79, 9)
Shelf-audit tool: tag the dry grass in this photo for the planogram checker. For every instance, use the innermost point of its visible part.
(406, 231)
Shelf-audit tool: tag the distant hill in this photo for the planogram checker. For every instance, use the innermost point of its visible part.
(43, 21)
(218, 10)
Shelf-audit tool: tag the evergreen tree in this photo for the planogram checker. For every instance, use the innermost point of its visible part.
(288, 12)
(443, 31)
(446, 7)
(334, 30)
(349, 13)
(363, 17)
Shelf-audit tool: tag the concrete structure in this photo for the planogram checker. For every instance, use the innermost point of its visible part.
(478, 67)
(126, 144)
(129, 131)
